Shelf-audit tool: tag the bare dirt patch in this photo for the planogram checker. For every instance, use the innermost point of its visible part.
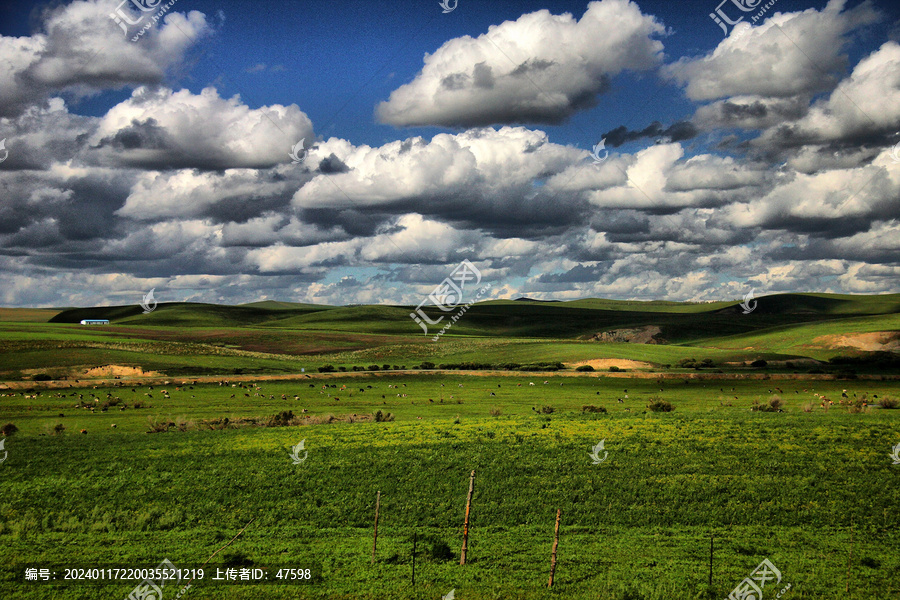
(606, 363)
(117, 371)
(885, 341)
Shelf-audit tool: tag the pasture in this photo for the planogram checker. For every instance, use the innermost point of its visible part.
(814, 492)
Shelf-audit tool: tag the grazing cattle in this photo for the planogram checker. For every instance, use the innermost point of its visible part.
(84, 431)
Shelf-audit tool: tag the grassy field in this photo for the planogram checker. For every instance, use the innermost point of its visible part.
(190, 414)
(281, 338)
(801, 488)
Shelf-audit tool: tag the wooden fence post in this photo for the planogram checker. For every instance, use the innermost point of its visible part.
(555, 544)
(465, 544)
(375, 541)
(710, 558)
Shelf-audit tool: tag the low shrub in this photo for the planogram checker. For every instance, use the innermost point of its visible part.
(8, 429)
(283, 419)
(774, 404)
(585, 368)
(888, 402)
(495, 411)
(547, 410)
(660, 405)
(157, 426)
(382, 417)
(590, 408)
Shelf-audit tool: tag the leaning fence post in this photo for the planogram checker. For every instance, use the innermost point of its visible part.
(375, 541)
(555, 545)
(465, 544)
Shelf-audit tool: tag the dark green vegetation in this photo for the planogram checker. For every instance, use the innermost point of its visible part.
(793, 468)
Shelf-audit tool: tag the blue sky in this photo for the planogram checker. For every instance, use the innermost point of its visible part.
(139, 168)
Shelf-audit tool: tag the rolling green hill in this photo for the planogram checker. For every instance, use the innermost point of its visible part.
(277, 337)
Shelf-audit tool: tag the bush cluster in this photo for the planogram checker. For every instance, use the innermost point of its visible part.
(659, 405)
(693, 363)
(774, 404)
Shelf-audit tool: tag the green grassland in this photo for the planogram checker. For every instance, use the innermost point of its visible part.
(279, 338)
(801, 488)
(175, 470)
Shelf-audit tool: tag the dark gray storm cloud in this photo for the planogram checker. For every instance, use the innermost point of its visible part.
(677, 132)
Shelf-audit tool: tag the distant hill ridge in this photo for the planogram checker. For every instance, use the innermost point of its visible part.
(585, 319)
